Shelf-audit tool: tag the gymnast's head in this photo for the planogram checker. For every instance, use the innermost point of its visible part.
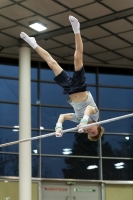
(94, 132)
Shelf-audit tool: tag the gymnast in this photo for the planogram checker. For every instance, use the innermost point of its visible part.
(85, 109)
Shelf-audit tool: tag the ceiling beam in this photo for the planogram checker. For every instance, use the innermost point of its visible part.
(91, 23)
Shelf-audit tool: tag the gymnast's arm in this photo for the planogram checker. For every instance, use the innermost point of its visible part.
(90, 110)
(84, 121)
(63, 117)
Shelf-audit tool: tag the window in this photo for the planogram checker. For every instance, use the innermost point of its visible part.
(9, 135)
(117, 169)
(117, 146)
(116, 98)
(49, 117)
(119, 126)
(8, 165)
(53, 94)
(70, 168)
(73, 155)
(8, 114)
(34, 93)
(9, 90)
(9, 70)
(116, 79)
(70, 144)
(47, 74)
(115, 76)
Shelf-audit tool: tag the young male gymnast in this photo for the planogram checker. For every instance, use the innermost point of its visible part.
(86, 111)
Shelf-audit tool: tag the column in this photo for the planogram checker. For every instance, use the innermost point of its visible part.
(24, 123)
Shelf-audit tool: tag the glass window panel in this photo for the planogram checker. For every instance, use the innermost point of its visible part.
(34, 90)
(34, 117)
(110, 172)
(9, 135)
(8, 165)
(47, 74)
(9, 70)
(117, 146)
(52, 94)
(69, 144)
(119, 126)
(116, 80)
(35, 166)
(34, 73)
(35, 143)
(91, 78)
(116, 98)
(8, 114)
(49, 117)
(8, 90)
(69, 167)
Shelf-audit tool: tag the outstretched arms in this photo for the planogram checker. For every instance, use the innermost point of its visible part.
(69, 116)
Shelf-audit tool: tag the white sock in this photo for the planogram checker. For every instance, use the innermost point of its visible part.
(75, 24)
(30, 40)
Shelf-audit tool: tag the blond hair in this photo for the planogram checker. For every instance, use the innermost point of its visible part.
(99, 135)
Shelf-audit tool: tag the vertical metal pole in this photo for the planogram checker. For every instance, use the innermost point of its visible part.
(39, 115)
(24, 123)
(103, 191)
(100, 142)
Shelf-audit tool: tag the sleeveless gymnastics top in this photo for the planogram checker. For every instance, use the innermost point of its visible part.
(79, 108)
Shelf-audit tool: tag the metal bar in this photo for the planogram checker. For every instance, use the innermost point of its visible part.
(67, 130)
(51, 180)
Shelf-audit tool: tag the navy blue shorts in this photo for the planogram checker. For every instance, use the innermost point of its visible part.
(74, 84)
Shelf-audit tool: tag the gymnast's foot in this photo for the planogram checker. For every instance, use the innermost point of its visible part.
(75, 24)
(30, 40)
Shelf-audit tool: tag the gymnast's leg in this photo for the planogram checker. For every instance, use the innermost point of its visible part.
(78, 55)
(43, 53)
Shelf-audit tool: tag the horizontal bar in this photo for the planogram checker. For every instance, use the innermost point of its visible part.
(67, 130)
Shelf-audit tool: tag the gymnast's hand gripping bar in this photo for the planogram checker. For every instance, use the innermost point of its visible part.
(67, 130)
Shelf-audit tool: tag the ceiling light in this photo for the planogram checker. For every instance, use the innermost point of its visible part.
(15, 130)
(38, 102)
(92, 167)
(119, 167)
(35, 151)
(67, 151)
(16, 126)
(38, 26)
(127, 138)
(41, 128)
(119, 164)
